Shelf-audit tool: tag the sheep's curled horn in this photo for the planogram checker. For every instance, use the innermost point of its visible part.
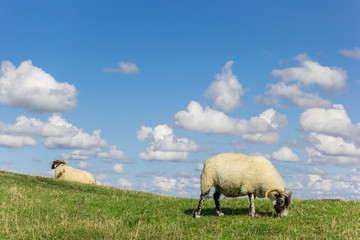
(282, 193)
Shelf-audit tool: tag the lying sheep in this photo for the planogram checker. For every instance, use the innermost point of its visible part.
(237, 175)
(71, 174)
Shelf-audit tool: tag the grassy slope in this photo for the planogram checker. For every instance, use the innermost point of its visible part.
(46, 208)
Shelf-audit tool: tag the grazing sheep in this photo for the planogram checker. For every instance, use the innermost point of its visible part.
(71, 174)
(237, 175)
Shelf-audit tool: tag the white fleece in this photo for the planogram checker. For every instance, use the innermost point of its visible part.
(237, 175)
(71, 174)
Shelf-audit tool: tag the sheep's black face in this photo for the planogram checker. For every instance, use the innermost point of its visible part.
(282, 205)
(53, 166)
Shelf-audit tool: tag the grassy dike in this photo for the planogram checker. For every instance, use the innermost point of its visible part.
(46, 208)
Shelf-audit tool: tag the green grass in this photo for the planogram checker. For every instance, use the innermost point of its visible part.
(46, 208)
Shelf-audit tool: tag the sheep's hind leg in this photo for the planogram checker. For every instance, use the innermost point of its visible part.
(252, 205)
(201, 201)
(217, 203)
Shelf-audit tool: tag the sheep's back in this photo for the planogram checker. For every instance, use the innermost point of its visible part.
(237, 174)
(71, 174)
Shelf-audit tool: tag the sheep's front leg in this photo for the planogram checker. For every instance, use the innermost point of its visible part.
(217, 203)
(252, 205)
(201, 201)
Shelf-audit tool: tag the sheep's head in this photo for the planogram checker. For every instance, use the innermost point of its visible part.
(281, 201)
(56, 163)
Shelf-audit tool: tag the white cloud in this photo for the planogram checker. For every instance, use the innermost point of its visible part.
(143, 133)
(199, 167)
(316, 157)
(285, 154)
(55, 126)
(335, 138)
(32, 89)
(124, 183)
(124, 67)
(264, 138)
(11, 141)
(101, 180)
(293, 94)
(330, 145)
(81, 140)
(164, 146)
(79, 154)
(101, 177)
(334, 121)
(310, 72)
(119, 169)
(84, 165)
(113, 154)
(317, 171)
(164, 156)
(56, 131)
(263, 128)
(267, 156)
(183, 186)
(164, 184)
(355, 53)
(329, 187)
(295, 186)
(226, 90)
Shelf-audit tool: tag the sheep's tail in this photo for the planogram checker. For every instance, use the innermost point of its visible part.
(207, 178)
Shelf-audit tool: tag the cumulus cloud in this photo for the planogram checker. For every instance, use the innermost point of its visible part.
(34, 90)
(285, 154)
(355, 53)
(124, 67)
(11, 141)
(328, 187)
(79, 154)
(164, 146)
(113, 154)
(310, 73)
(199, 167)
(119, 169)
(144, 133)
(56, 131)
(226, 90)
(182, 186)
(84, 165)
(263, 128)
(124, 183)
(331, 145)
(295, 186)
(293, 94)
(317, 157)
(55, 126)
(334, 121)
(334, 138)
(164, 184)
(81, 140)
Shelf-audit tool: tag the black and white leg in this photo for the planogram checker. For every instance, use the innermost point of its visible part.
(217, 203)
(201, 201)
(252, 205)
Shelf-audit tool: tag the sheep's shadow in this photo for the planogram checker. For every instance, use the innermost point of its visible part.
(226, 211)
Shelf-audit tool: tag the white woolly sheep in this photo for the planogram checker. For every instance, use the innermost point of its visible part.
(71, 174)
(237, 175)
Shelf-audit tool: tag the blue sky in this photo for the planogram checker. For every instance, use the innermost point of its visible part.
(141, 93)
